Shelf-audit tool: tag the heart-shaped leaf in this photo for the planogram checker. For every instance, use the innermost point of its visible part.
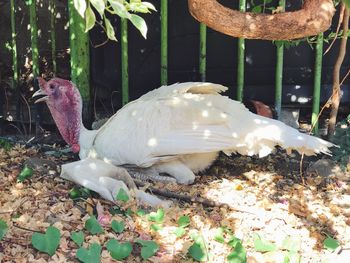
(149, 248)
(93, 226)
(91, 255)
(77, 237)
(183, 221)
(330, 244)
(156, 227)
(3, 228)
(26, 173)
(262, 245)
(198, 249)
(157, 217)
(179, 232)
(233, 241)
(119, 251)
(118, 226)
(219, 235)
(239, 255)
(122, 195)
(48, 242)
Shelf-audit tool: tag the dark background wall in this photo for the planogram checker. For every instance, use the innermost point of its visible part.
(144, 56)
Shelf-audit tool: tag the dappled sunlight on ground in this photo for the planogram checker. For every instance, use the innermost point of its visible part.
(256, 196)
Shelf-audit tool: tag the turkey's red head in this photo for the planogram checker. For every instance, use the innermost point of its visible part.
(65, 104)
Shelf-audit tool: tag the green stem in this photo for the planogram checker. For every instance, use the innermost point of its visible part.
(124, 50)
(279, 71)
(202, 51)
(14, 45)
(80, 57)
(34, 37)
(317, 83)
(164, 42)
(240, 58)
(52, 9)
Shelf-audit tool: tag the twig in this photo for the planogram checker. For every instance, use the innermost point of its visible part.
(340, 21)
(26, 229)
(189, 199)
(345, 77)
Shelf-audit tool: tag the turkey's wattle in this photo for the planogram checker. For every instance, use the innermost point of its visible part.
(177, 129)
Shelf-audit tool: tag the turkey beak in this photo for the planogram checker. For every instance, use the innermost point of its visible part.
(40, 93)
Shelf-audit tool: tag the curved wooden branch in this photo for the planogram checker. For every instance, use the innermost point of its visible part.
(314, 17)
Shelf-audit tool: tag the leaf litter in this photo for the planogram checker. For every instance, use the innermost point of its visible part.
(268, 215)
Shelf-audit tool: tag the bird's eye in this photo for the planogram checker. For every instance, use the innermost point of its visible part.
(51, 87)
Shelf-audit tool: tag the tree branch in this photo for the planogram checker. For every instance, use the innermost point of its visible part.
(314, 17)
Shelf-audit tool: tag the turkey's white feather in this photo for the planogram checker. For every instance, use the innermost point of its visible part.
(190, 123)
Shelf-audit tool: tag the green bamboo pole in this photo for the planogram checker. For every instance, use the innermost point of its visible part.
(80, 58)
(317, 83)
(52, 9)
(240, 58)
(14, 44)
(202, 51)
(164, 42)
(279, 71)
(124, 50)
(34, 37)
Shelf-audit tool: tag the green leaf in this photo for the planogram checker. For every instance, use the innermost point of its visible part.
(119, 251)
(99, 5)
(25, 174)
(291, 243)
(149, 6)
(140, 212)
(219, 235)
(118, 226)
(91, 255)
(198, 249)
(179, 232)
(80, 6)
(48, 242)
(77, 237)
(109, 29)
(90, 19)
(239, 255)
(257, 9)
(183, 221)
(292, 257)
(262, 245)
(233, 241)
(157, 217)
(140, 24)
(119, 8)
(138, 7)
(149, 248)
(3, 228)
(122, 195)
(93, 226)
(75, 193)
(330, 244)
(156, 227)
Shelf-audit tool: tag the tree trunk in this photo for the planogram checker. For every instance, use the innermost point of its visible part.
(314, 17)
(336, 77)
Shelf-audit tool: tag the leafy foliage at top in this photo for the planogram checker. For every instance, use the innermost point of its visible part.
(122, 8)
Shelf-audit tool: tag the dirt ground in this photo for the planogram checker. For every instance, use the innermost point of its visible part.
(266, 197)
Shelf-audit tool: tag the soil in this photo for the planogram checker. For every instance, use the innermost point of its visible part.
(267, 197)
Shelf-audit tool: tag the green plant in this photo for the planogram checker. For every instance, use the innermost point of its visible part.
(122, 8)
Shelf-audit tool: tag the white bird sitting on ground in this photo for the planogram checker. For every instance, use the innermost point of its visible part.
(178, 130)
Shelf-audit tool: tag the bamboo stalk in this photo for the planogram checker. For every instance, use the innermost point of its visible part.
(34, 37)
(202, 51)
(240, 58)
(80, 58)
(279, 70)
(164, 42)
(317, 83)
(52, 8)
(124, 58)
(14, 44)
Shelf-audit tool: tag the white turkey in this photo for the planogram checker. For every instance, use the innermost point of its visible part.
(177, 130)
